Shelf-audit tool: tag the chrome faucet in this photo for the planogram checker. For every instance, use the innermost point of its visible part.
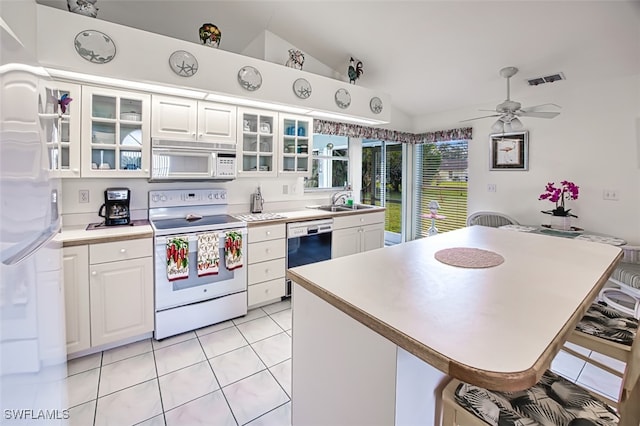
(337, 196)
(346, 193)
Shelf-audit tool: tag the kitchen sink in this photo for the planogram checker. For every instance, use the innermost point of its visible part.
(344, 208)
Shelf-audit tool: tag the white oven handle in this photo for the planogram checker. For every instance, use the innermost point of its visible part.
(194, 236)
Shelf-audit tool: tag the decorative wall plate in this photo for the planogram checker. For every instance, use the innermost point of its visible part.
(302, 88)
(376, 105)
(343, 98)
(95, 46)
(249, 78)
(183, 63)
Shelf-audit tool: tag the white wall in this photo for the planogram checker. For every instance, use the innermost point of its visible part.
(239, 191)
(19, 15)
(272, 48)
(594, 142)
(146, 60)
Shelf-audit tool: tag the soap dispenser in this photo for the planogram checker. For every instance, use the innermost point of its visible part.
(256, 201)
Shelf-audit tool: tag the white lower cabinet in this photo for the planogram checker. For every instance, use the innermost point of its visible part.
(357, 233)
(266, 258)
(121, 300)
(75, 267)
(108, 292)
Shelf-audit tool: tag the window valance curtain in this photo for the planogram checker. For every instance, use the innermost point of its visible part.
(357, 131)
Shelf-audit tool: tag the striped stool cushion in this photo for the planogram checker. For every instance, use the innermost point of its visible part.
(552, 401)
(609, 324)
(628, 273)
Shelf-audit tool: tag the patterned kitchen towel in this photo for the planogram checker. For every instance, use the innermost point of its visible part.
(208, 254)
(177, 258)
(233, 250)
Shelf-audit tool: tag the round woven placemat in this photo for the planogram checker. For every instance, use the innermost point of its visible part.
(466, 257)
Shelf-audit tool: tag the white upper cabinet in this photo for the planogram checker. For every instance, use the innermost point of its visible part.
(257, 142)
(296, 138)
(192, 120)
(115, 133)
(61, 129)
(216, 122)
(173, 118)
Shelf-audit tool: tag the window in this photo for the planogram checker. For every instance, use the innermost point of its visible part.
(441, 175)
(329, 162)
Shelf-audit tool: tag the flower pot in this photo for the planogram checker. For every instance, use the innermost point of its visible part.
(562, 223)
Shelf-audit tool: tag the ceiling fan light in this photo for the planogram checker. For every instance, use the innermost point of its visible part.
(516, 124)
(498, 126)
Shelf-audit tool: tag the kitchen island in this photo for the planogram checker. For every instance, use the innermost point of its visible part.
(377, 335)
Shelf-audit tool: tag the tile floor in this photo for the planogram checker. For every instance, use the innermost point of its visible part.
(587, 375)
(233, 373)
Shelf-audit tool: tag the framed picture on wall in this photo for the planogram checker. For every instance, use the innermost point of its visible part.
(509, 151)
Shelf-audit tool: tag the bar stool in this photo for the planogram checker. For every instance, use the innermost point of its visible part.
(552, 401)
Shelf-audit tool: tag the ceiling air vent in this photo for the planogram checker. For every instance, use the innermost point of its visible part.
(548, 79)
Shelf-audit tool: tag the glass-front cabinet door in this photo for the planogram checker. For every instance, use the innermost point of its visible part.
(256, 148)
(60, 122)
(115, 132)
(295, 136)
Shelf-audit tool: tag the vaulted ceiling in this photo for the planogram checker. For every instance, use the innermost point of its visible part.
(430, 56)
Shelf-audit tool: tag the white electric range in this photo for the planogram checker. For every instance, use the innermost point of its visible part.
(199, 260)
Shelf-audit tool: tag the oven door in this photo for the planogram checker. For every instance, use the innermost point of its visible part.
(194, 288)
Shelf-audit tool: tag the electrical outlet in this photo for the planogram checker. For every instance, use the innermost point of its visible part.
(83, 196)
(610, 194)
(492, 187)
(285, 189)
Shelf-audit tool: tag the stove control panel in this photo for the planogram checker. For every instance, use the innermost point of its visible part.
(184, 197)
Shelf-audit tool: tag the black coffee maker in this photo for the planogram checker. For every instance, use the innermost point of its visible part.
(115, 209)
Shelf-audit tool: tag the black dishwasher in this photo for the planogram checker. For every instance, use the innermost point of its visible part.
(308, 242)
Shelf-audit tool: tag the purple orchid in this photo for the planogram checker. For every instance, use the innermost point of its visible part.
(567, 191)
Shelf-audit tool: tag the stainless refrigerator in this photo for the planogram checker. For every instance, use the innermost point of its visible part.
(32, 324)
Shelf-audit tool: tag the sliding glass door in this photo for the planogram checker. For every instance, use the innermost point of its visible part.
(382, 172)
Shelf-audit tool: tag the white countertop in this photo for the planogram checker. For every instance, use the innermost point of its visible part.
(495, 327)
(78, 235)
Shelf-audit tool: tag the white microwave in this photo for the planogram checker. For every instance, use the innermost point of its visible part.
(175, 164)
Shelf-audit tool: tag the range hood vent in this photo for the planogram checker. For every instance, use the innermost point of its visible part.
(548, 79)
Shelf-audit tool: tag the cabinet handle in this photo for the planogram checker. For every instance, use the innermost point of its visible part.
(94, 273)
(193, 134)
(146, 170)
(123, 250)
(361, 219)
(266, 271)
(267, 291)
(268, 232)
(268, 251)
(200, 135)
(76, 171)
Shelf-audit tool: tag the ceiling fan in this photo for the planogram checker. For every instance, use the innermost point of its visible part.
(509, 111)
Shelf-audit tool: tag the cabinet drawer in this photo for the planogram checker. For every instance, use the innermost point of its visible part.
(265, 271)
(351, 220)
(265, 292)
(269, 232)
(120, 250)
(266, 250)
